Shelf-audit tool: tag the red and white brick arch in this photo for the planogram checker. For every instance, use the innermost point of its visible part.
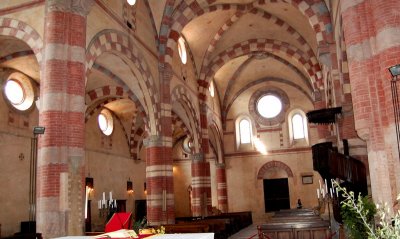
(181, 96)
(310, 63)
(274, 164)
(178, 123)
(135, 138)
(277, 21)
(22, 31)
(142, 90)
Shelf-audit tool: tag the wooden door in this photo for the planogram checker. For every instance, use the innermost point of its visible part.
(276, 194)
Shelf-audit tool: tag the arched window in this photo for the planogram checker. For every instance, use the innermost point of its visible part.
(298, 130)
(245, 131)
(298, 126)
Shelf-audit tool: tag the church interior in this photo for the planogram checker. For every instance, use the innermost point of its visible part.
(190, 108)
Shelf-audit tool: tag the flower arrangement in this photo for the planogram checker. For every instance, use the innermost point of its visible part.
(388, 224)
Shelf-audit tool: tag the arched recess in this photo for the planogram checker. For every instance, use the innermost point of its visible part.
(24, 32)
(274, 164)
(138, 90)
(216, 142)
(183, 107)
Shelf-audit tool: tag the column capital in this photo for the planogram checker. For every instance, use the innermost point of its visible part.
(153, 141)
(220, 165)
(80, 7)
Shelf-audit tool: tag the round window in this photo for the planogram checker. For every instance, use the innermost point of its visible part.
(14, 92)
(18, 91)
(182, 50)
(105, 121)
(269, 106)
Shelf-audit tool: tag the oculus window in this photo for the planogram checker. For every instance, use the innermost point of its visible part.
(18, 91)
(106, 122)
(269, 106)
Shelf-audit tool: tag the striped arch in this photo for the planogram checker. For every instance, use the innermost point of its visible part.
(138, 91)
(188, 10)
(219, 147)
(105, 91)
(21, 30)
(178, 123)
(277, 21)
(310, 63)
(274, 164)
(181, 96)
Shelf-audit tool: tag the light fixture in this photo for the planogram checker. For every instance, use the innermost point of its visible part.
(131, 2)
(129, 186)
(38, 130)
(89, 182)
(145, 188)
(395, 70)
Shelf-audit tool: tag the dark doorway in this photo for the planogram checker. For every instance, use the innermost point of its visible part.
(121, 205)
(276, 194)
(140, 209)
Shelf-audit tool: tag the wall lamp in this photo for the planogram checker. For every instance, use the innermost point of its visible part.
(129, 186)
(395, 72)
(38, 130)
(89, 182)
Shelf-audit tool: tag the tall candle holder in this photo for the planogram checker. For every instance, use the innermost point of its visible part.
(326, 198)
(107, 207)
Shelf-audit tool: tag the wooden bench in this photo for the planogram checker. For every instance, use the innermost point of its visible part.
(290, 230)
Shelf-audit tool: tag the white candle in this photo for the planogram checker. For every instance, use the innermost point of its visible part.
(115, 203)
(337, 193)
(99, 204)
(104, 196)
(110, 196)
(319, 184)
(326, 186)
(331, 192)
(323, 193)
(318, 193)
(332, 183)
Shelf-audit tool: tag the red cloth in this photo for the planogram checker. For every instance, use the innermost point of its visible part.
(120, 220)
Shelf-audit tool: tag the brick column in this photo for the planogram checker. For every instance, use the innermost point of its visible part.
(159, 182)
(371, 35)
(201, 186)
(60, 171)
(222, 194)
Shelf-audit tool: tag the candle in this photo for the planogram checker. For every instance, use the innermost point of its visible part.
(326, 186)
(332, 183)
(99, 204)
(115, 203)
(110, 196)
(319, 184)
(104, 196)
(331, 192)
(323, 193)
(337, 193)
(318, 193)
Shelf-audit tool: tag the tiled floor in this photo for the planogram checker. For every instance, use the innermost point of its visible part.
(249, 232)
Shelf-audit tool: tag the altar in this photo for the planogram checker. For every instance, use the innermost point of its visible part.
(122, 234)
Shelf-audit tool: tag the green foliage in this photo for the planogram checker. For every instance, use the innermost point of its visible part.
(352, 216)
(388, 226)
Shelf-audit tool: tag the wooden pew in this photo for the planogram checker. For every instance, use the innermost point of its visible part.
(290, 230)
(187, 228)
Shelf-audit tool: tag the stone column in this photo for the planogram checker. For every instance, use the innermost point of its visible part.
(222, 193)
(371, 31)
(60, 170)
(159, 182)
(201, 186)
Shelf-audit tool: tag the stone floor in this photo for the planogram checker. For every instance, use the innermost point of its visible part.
(249, 232)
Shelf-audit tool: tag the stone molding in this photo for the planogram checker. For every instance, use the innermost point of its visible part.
(80, 7)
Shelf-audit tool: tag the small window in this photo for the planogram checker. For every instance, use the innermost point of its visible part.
(14, 92)
(106, 122)
(245, 131)
(211, 89)
(18, 91)
(298, 127)
(182, 50)
(269, 106)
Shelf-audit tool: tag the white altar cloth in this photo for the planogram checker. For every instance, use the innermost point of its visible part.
(184, 236)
